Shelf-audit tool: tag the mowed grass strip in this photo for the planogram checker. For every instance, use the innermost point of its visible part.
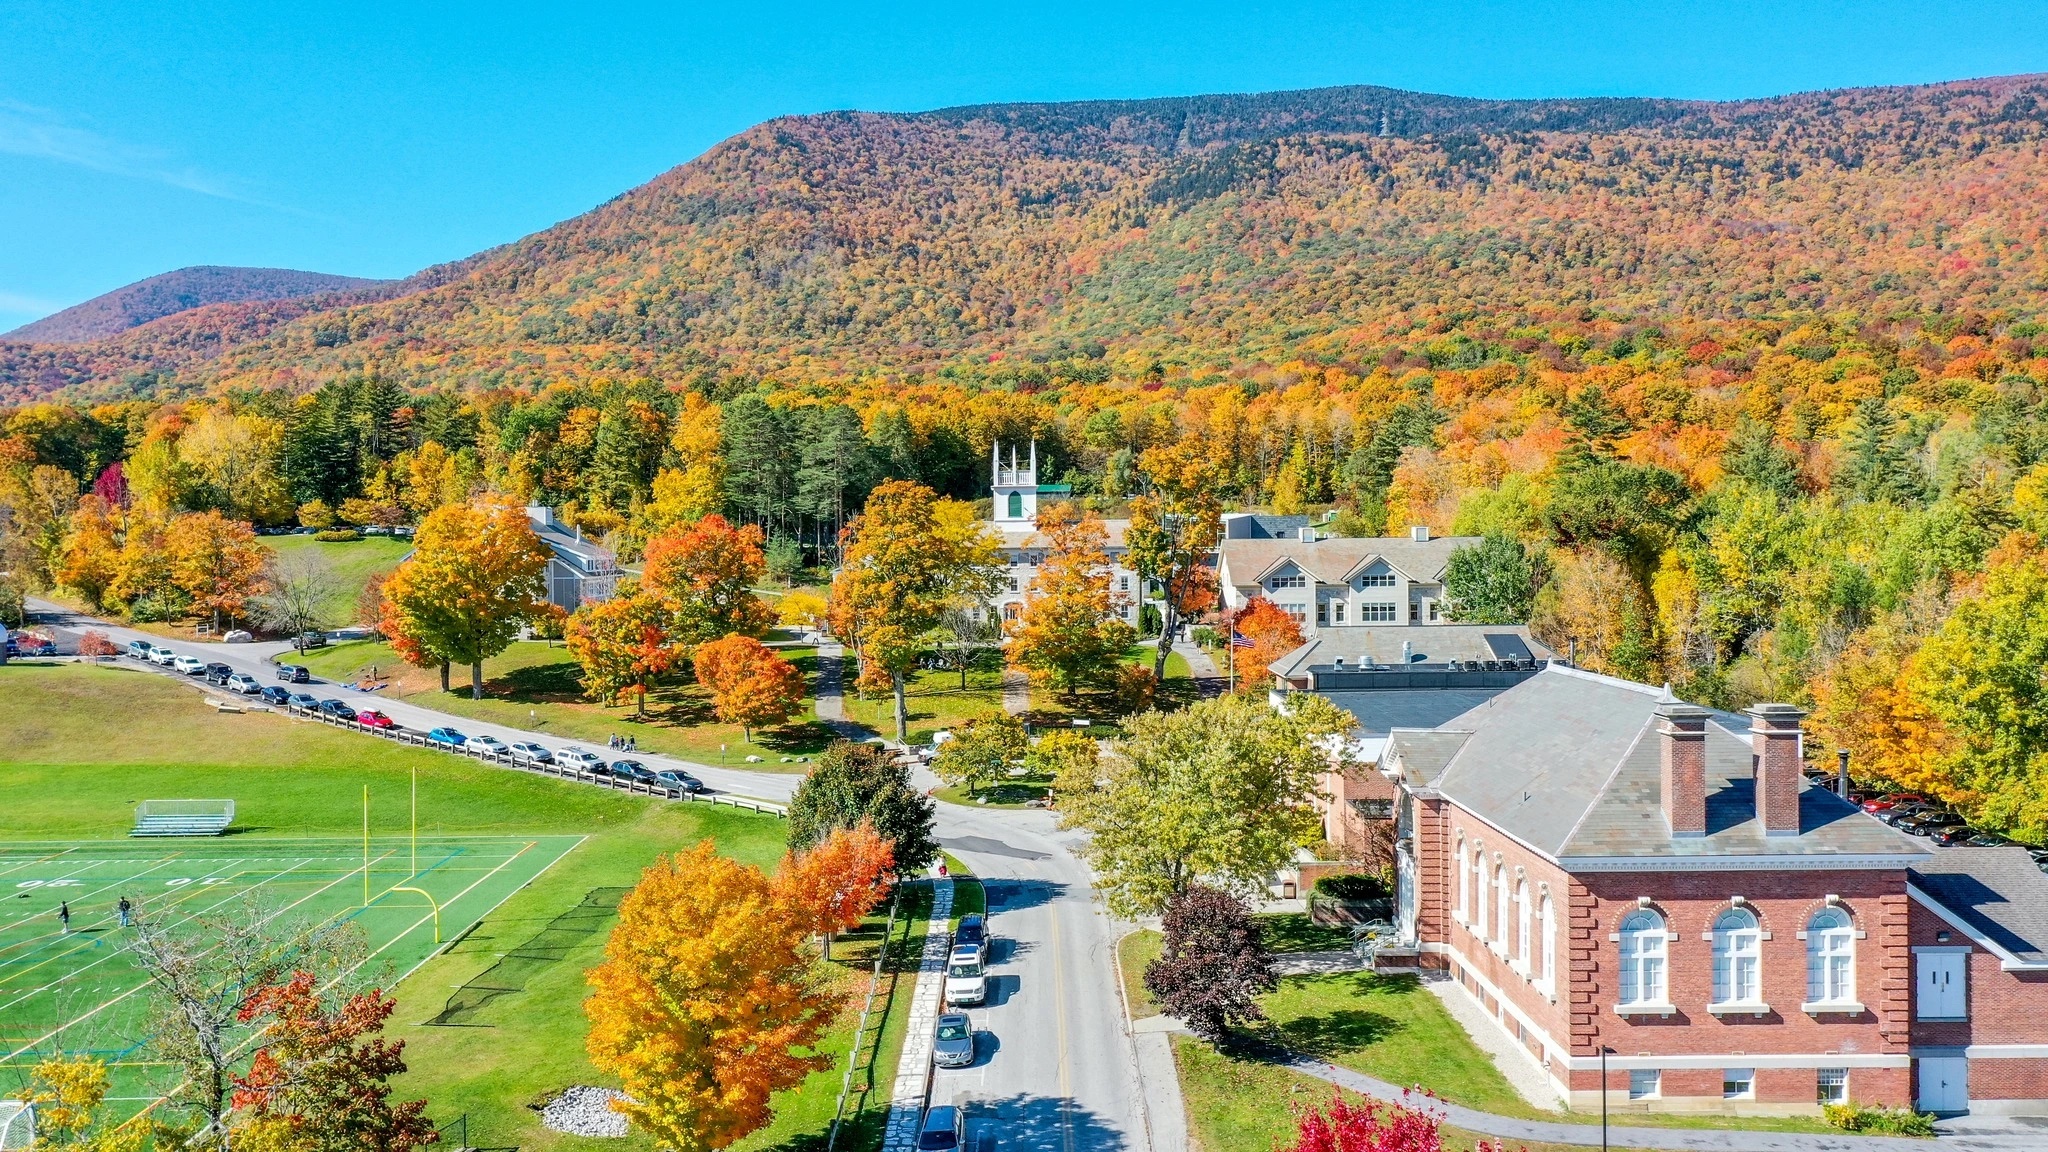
(538, 686)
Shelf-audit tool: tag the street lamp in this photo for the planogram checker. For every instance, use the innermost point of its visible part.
(1604, 1050)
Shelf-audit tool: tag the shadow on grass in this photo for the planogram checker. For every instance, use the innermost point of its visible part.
(1335, 1033)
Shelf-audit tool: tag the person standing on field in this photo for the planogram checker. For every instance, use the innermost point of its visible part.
(64, 913)
(123, 909)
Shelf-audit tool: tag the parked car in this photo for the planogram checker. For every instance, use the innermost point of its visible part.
(312, 640)
(1899, 812)
(486, 745)
(632, 770)
(1986, 840)
(527, 752)
(680, 781)
(30, 644)
(972, 933)
(944, 1129)
(218, 673)
(966, 977)
(371, 718)
(275, 696)
(1924, 823)
(338, 709)
(582, 760)
(139, 649)
(447, 738)
(244, 683)
(1892, 800)
(160, 655)
(294, 673)
(189, 665)
(953, 1041)
(304, 701)
(1952, 835)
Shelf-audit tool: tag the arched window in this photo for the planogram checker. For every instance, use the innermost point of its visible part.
(1549, 918)
(1642, 958)
(1830, 958)
(1738, 958)
(1479, 921)
(1016, 506)
(1464, 884)
(1500, 906)
(1522, 925)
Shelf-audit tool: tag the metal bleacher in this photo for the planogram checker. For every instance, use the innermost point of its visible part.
(183, 817)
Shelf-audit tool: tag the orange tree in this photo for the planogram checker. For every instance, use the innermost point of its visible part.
(749, 683)
(1273, 634)
(215, 561)
(621, 644)
(703, 574)
(707, 1002)
(473, 579)
(321, 1083)
(837, 882)
(907, 557)
(1174, 524)
(1069, 631)
(92, 557)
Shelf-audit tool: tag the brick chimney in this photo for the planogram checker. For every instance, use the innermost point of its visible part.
(1774, 746)
(1682, 747)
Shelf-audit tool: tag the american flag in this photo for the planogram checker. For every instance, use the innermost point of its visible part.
(1239, 639)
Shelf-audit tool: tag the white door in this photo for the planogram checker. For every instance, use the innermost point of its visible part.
(1940, 991)
(1944, 1084)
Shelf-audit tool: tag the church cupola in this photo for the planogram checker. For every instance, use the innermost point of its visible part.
(1015, 488)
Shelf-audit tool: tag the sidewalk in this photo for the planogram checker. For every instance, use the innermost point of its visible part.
(914, 1066)
(832, 693)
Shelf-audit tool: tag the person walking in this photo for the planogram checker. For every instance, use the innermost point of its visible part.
(64, 913)
(124, 908)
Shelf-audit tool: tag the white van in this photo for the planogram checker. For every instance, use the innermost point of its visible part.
(966, 977)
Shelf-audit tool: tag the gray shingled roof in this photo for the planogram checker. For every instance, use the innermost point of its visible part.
(1427, 643)
(1997, 891)
(1380, 712)
(1329, 561)
(1567, 762)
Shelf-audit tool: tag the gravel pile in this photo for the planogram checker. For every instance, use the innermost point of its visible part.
(584, 1111)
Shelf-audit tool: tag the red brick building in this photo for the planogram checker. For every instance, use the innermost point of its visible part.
(1603, 866)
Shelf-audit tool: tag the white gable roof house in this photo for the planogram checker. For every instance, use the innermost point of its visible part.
(579, 570)
(1016, 493)
(1328, 583)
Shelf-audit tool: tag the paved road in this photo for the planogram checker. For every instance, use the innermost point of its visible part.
(1057, 1072)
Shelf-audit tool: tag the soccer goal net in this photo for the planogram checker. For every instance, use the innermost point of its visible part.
(17, 1125)
(183, 817)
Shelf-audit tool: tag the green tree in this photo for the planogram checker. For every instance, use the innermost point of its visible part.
(1219, 792)
(855, 782)
(1491, 582)
(981, 750)
(1880, 466)
(1174, 526)
(1755, 456)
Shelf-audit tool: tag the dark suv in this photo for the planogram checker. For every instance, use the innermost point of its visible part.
(633, 770)
(293, 673)
(218, 673)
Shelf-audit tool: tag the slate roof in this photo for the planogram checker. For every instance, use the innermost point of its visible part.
(1331, 561)
(1380, 712)
(1568, 763)
(1437, 644)
(1997, 891)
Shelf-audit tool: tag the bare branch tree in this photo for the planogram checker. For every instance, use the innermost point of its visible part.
(301, 589)
(964, 630)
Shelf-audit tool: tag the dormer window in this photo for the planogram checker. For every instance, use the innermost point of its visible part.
(1295, 580)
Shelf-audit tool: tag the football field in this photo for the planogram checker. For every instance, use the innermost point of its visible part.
(77, 989)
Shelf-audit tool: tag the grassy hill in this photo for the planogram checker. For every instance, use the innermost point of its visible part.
(1234, 228)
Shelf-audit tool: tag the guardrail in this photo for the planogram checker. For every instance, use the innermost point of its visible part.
(853, 1053)
(599, 776)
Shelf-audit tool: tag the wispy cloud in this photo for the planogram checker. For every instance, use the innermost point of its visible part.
(26, 130)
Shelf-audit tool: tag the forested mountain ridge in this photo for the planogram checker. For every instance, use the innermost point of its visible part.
(1200, 233)
(133, 305)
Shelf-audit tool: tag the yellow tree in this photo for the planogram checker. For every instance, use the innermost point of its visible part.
(473, 579)
(92, 553)
(142, 578)
(704, 1000)
(907, 558)
(749, 683)
(1070, 631)
(621, 644)
(216, 561)
(1174, 525)
(695, 487)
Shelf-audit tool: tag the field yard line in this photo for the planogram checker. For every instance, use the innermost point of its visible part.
(128, 879)
(507, 863)
(493, 908)
(139, 987)
(37, 860)
(184, 894)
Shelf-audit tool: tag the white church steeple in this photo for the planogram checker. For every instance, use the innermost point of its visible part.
(1015, 489)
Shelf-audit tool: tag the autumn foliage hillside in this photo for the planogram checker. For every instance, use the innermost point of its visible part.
(1201, 232)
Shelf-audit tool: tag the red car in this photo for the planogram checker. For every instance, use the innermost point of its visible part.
(1892, 800)
(374, 719)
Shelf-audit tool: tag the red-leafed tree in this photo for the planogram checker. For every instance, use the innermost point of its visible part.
(1273, 634)
(750, 684)
(1214, 967)
(1372, 1127)
(322, 1081)
(835, 884)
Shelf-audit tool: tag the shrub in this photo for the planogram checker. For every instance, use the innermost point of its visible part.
(337, 535)
(1352, 886)
(1879, 1121)
(1214, 967)
(1206, 637)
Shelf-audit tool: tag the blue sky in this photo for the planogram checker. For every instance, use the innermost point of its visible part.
(375, 139)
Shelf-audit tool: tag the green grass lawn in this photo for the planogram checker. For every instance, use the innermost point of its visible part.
(537, 685)
(1133, 953)
(1011, 792)
(934, 700)
(1295, 932)
(301, 779)
(353, 563)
